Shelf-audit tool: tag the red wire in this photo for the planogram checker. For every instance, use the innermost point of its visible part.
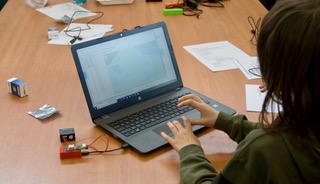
(90, 145)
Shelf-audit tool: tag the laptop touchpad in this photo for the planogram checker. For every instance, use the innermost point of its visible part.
(165, 128)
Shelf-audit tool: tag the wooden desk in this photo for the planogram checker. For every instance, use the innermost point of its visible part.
(30, 147)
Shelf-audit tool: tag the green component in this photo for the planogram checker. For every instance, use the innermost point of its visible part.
(173, 11)
(81, 146)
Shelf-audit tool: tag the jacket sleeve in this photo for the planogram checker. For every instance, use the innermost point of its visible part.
(236, 126)
(194, 166)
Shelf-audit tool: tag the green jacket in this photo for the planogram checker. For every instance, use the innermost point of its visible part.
(260, 157)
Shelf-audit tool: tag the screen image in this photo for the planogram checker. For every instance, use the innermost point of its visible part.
(127, 65)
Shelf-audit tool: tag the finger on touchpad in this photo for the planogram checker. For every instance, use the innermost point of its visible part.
(165, 128)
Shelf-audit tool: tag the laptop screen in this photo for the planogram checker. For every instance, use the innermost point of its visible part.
(126, 68)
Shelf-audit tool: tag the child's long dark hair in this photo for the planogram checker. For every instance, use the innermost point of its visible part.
(289, 55)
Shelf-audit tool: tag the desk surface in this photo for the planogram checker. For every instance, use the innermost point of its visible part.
(30, 147)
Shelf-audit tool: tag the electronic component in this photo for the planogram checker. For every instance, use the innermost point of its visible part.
(67, 134)
(17, 87)
(65, 154)
(70, 147)
(77, 151)
(192, 4)
(53, 33)
(72, 151)
(173, 11)
(73, 147)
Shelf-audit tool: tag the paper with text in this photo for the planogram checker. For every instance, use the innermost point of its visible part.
(217, 56)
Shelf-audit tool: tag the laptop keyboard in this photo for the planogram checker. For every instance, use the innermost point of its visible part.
(154, 115)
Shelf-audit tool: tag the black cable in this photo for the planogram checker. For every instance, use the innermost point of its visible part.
(137, 27)
(187, 11)
(192, 12)
(105, 151)
(211, 3)
(79, 29)
(254, 28)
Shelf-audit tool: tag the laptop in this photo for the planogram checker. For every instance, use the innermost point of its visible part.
(115, 2)
(132, 77)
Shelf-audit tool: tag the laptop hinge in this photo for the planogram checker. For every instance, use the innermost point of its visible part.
(178, 88)
(105, 116)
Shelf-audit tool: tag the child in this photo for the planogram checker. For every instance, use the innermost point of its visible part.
(280, 149)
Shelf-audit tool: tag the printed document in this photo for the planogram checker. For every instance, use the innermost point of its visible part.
(217, 56)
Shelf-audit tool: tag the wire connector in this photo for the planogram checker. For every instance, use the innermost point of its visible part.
(125, 145)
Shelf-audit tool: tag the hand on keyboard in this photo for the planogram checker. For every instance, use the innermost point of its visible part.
(208, 114)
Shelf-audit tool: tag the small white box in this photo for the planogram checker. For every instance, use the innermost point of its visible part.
(53, 33)
(17, 87)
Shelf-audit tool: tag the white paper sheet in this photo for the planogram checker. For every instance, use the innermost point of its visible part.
(254, 99)
(95, 31)
(59, 10)
(217, 56)
(245, 64)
